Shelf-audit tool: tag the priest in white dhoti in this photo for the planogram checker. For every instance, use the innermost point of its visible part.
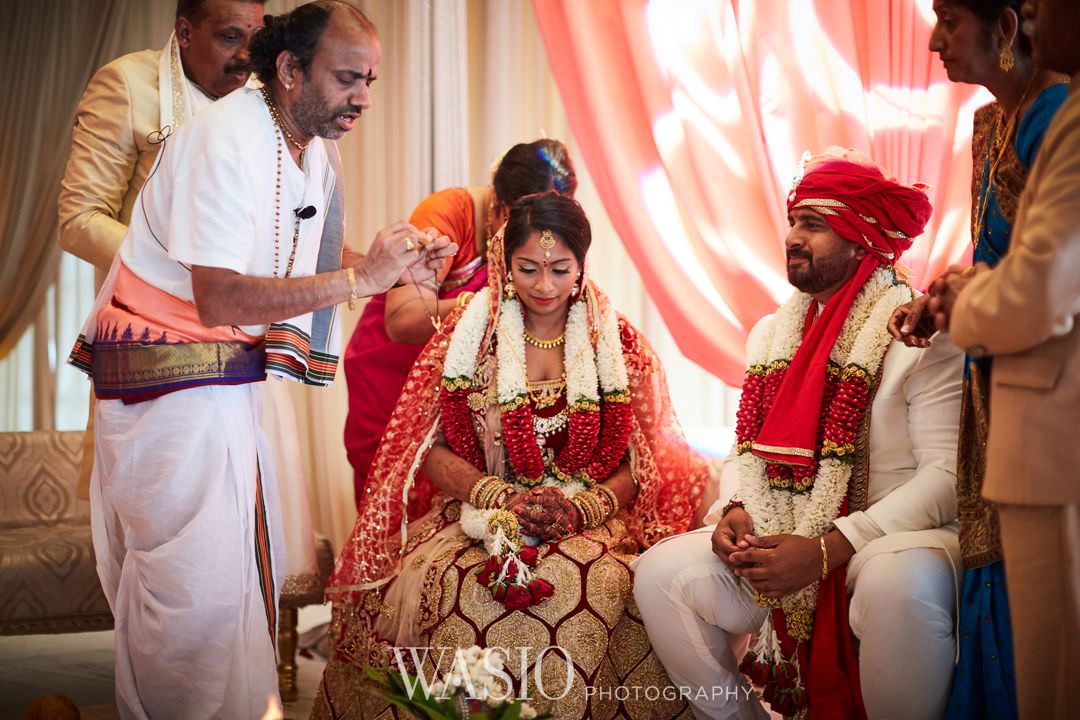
(231, 271)
(843, 524)
(128, 107)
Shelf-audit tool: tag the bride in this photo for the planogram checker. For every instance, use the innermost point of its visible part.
(543, 419)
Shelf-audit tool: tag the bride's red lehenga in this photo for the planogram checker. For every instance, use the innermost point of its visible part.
(397, 588)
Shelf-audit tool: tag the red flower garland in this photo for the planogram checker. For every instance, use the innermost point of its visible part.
(584, 431)
(615, 417)
(847, 397)
(458, 426)
(520, 438)
(597, 438)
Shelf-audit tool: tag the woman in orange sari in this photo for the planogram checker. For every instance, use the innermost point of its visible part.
(394, 326)
(542, 421)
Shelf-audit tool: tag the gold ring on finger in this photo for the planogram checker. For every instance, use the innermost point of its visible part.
(409, 244)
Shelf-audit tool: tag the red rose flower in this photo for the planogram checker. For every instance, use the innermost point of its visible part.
(540, 589)
(517, 598)
(529, 555)
(511, 571)
(499, 592)
(489, 571)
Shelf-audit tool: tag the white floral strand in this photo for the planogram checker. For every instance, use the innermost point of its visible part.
(580, 358)
(512, 381)
(466, 338)
(610, 363)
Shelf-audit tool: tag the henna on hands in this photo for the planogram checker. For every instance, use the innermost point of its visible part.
(544, 513)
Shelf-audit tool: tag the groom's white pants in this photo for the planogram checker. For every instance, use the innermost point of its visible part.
(698, 618)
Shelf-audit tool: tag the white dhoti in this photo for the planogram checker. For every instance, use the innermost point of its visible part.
(699, 615)
(300, 570)
(176, 506)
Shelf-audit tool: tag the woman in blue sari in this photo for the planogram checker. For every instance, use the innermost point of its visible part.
(980, 42)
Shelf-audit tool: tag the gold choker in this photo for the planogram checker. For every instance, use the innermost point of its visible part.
(545, 344)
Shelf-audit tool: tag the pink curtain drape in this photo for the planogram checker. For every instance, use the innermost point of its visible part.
(692, 117)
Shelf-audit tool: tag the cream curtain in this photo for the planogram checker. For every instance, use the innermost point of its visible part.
(55, 45)
(49, 49)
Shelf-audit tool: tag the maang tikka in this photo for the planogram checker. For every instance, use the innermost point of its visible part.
(547, 243)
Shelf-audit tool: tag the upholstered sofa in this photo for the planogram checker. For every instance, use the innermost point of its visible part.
(48, 579)
(48, 582)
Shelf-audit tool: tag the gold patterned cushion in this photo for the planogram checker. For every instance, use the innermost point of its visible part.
(48, 578)
(38, 472)
(48, 581)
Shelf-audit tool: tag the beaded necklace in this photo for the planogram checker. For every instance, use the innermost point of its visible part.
(279, 131)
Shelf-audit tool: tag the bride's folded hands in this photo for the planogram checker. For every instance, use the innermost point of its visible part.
(545, 513)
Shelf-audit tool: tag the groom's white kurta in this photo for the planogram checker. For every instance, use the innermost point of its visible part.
(175, 480)
(902, 578)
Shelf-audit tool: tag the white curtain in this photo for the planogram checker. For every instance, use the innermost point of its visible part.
(459, 83)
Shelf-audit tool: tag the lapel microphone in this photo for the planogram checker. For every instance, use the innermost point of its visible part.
(305, 213)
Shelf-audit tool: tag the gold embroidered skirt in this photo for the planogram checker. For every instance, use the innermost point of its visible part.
(590, 627)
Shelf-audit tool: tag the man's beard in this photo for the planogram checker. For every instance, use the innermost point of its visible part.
(818, 274)
(314, 118)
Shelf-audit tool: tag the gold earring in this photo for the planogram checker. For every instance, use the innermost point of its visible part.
(508, 289)
(1007, 60)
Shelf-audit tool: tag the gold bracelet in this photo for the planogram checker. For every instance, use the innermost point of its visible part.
(612, 498)
(577, 502)
(464, 298)
(350, 275)
(496, 497)
(824, 559)
(588, 503)
(482, 490)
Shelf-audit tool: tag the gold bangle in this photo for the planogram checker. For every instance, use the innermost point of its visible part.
(480, 488)
(824, 559)
(464, 298)
(350, 275)
(586, 511)
(613, 499)
(488, 492)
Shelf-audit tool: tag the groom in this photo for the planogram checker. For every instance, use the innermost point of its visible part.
(845, 465)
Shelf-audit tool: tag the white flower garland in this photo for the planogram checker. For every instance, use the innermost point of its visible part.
(863, 340)
(579, 358)
(611, 365)
(511, 379)
(465, 341)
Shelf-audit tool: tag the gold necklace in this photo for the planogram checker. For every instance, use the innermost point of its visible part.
(545, 393)
(545, 344)
(1000, 145)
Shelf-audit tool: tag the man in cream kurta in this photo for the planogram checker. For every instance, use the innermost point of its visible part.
(1024, 312)
(229, 272)
(900, 551)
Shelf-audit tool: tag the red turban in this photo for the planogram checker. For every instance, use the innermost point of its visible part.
(861, 204)
(864, 206)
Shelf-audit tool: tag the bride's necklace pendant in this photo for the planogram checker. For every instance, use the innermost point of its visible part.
(545, 344)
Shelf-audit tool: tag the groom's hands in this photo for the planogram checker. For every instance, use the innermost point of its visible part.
(730, 533)
(778, 565)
